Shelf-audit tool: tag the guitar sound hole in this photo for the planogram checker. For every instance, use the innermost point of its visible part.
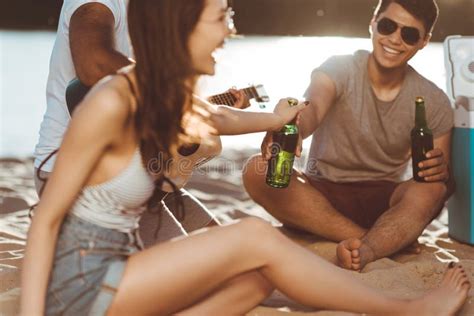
(188, 149)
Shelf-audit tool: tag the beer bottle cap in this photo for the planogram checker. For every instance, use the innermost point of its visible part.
(292, 101)
(419, 100)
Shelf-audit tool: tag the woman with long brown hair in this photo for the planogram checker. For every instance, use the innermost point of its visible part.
(82, 253)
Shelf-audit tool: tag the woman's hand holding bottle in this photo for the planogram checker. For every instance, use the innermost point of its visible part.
(287, 109)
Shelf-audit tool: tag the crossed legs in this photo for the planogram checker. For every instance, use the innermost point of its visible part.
(300, 205)
(412, 206)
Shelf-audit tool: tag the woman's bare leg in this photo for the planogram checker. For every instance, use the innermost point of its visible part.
(236, 297)
(179, 274)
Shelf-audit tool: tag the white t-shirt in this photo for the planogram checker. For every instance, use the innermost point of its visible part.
(61, 72)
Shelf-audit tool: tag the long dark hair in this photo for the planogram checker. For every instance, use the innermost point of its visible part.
(159, 32)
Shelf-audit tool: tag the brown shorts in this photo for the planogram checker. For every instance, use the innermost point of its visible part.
(362, 202)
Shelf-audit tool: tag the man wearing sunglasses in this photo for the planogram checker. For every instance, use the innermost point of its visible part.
(354, 190)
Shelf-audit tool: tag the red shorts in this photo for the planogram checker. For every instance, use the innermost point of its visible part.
(362, 202)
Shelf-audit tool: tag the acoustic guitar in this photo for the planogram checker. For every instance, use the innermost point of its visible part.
(76, 91)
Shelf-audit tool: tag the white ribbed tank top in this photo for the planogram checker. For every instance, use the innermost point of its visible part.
(119, 202)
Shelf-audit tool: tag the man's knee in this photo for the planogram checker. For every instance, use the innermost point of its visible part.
(429, 196)
(435, 191)
(253, 173)
(439, 190)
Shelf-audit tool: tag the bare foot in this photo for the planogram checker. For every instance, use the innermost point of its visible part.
(448, 297)
(353, 254)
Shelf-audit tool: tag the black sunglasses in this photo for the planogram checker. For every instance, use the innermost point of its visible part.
(410, 35)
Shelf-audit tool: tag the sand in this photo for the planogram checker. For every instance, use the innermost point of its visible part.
(219, 187)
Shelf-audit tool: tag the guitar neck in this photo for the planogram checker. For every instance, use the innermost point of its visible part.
(228, 98)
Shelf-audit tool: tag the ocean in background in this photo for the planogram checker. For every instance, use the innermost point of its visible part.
(282, 64)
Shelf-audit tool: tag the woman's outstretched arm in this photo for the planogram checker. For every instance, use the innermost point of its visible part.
(231, 121)
(93, 128)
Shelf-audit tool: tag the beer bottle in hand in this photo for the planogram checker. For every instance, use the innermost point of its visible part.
(280, 165)
(421, 138)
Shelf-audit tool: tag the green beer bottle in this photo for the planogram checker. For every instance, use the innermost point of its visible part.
(421, 138)
(280, 165)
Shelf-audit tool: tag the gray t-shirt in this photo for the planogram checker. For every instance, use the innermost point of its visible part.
(364, 139)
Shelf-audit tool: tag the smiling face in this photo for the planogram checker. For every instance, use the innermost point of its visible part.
(390, 51)
(210, 33)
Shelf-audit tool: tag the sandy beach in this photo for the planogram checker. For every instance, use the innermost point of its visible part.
(219, 186)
